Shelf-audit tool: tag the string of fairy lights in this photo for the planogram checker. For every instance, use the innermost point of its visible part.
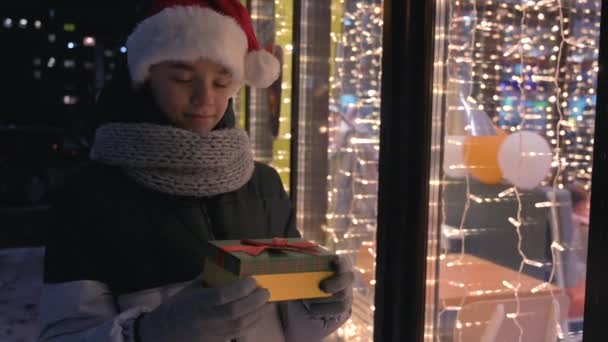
(460, 55)
(530, 66)
(353, 133)
(284, 39)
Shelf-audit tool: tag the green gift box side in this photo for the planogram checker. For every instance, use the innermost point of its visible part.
(269, 261)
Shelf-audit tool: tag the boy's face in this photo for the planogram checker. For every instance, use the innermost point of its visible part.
(193, 95)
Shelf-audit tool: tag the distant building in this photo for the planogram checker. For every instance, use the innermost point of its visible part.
(56, 60)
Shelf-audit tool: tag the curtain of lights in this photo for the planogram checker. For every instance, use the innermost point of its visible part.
(281, 96)
(353, 132)
(514, 102)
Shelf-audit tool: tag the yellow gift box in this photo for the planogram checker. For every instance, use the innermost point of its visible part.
(288, 268)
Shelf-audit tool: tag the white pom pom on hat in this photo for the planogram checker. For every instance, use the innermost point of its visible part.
(261, 67)
(219, 30)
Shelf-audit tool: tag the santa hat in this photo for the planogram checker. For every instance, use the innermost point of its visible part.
(219, 30)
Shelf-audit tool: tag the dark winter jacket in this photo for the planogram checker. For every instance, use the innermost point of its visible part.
(118, 249)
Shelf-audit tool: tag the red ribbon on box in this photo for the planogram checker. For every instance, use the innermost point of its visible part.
(254, 248)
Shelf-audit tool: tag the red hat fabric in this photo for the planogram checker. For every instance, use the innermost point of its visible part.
(186, 30)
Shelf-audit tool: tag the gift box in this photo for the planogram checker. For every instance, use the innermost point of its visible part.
(288, 268)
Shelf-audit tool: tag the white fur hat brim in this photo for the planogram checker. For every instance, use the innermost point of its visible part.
(186, 33)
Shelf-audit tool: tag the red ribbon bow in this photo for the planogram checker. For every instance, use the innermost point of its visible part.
(254, 248)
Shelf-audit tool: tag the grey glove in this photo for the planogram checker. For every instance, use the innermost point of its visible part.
(206, 314)
(340, 285)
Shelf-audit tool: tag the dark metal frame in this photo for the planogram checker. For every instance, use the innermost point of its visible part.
(295, 102)
(596, 299)
(405, 138)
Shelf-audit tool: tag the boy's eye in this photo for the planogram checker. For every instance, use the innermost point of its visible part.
(182, 80)
(182, 77)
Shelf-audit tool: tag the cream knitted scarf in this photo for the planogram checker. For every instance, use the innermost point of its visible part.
(176, 161)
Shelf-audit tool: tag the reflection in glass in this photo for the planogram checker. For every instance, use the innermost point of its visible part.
(269, 117)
